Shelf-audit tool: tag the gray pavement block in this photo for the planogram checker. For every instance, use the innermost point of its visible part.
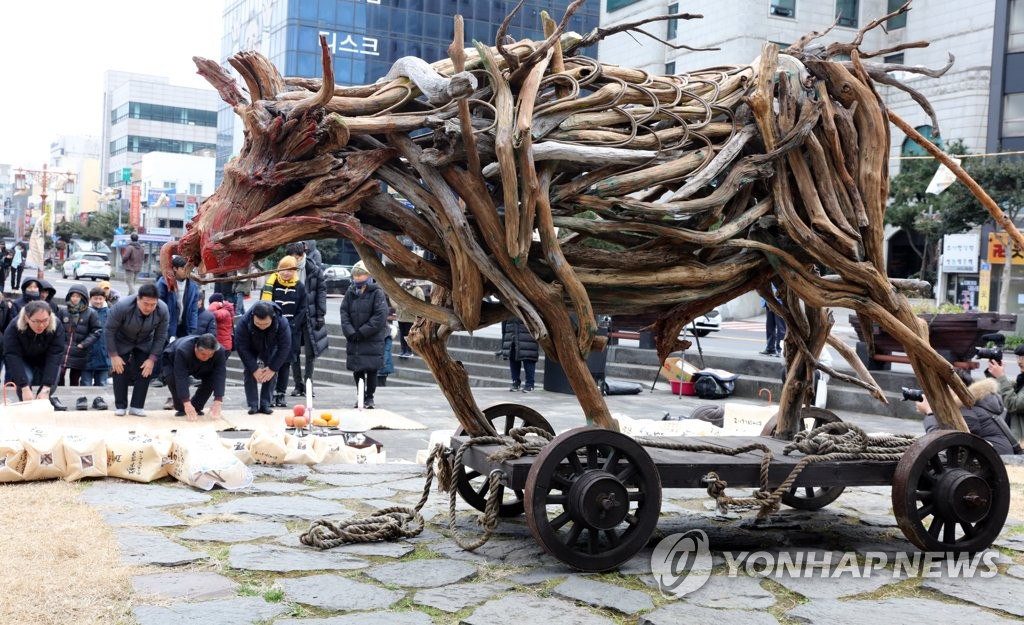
(998, 592)
(234, 532)
(455, 597)
(276, 488)
(141, 517)
(365, 618)
(732, 593)
(523, 608)
(114, 493)
(911, 611)
(237, 611)
(375, 491)
(184, 586)
(429, 573)
(333, 592)
(287, 560)
(274, 508)
(139, 547)
(602, 595)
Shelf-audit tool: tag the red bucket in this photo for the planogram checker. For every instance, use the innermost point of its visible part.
(681, 388)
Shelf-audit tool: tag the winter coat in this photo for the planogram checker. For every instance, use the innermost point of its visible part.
(207, 324)
(180, 362)
(84, 331)
(132, 256)
(127, 329)
(224, 314)
(99, 359)
(24, 299)
(48, 293)
(364, 322)
(988, 405)
(190, 303)
(272, 346)
(292, 302)
(7, 316)
(25, 350)
(316, 306)
(405, 315)
(515, 334)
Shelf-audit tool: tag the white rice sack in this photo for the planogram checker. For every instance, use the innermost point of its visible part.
(268, 447)
(12, 460)
(137, 457)
(200, 459)
(44, 455)
(85, 455)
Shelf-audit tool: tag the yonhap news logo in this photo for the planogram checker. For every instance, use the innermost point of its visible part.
(682, 563)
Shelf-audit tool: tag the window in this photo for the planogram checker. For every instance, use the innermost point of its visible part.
(195, 188)
(673, 25)
(144, 145)
(670, 68)
(846, 11)
(782, 8)
(1013, 115)
(615, 5)
(161, 113)
(170, 184)
(900, 21)
(912, 148)
(894, 59)
(1015, 39)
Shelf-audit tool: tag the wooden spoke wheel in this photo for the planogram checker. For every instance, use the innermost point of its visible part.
(951, 493)
(593, 498)
(473, 486)
(808, 497)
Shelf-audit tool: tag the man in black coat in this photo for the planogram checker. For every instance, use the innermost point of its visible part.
(83, 329)
(136, 334)
(313, 334)
(34, 347)
(522, 352)
(202, 358)
(364, 321)
(263, 340)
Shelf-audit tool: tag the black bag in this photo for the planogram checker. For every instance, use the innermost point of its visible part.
(617, 387)
(710, 387)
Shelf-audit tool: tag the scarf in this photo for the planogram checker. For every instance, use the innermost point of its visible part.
(286, 283)
(75, 311)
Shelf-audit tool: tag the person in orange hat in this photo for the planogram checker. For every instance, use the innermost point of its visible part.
(286, 290)
(109, 293)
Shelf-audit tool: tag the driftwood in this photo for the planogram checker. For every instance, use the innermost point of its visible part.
(565, 187)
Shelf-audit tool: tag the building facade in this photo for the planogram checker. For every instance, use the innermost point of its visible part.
(79, 155)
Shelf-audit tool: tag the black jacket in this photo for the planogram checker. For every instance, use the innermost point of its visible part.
(988, 405)
(291, 301)
(83, 329)
(272, 346)
(515, 334)
(207, 323)
(127, 329)
(316, 306)
(364, 322)
(180, 362)
(26, 350)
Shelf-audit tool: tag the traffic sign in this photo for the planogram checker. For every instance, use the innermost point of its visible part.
(126, 174)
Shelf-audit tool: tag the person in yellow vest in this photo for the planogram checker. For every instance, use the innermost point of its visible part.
(286, 290)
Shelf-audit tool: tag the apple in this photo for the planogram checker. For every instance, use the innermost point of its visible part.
(300, 422)
(299, 410)
(289, 420)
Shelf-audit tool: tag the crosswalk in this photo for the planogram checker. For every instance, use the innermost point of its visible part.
(746, 326)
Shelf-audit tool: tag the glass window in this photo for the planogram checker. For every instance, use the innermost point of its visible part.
(1015, 41)
(673, 25)
(895, 59)
(846, 11)
(900, 21)
(195, 188)
(615, 5)
(782, 8)
(670, 68)
(912, 148)
(307, 9)
(1013, 115)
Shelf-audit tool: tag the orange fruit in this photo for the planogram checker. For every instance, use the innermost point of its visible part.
(319, 421)
(289, 420)
(300, 422)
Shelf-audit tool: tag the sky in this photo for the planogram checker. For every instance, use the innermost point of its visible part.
(53, 54)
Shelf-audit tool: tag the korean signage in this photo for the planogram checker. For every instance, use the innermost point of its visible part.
(135, 209)
(960, 253)
(191, 207)
(348, 43)
(997, 244)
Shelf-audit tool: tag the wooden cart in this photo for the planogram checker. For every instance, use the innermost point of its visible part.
(592, 497)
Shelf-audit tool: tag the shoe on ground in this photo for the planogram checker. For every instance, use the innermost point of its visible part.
(267, 410)
(82, 403)
(99, 404)
(527, 389)
(766, 352)
(181, 413)
(514, 388)
(57, 404)
(120, 412)
(279, 401)
(253, 410)
(137, 412)
(368, 404)
(157, 383)
(169, 404)
(298, 392)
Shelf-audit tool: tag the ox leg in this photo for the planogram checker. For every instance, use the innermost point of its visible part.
(430, 341)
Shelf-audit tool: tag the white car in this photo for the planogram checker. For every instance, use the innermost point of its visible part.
(87, 265)
(706, 324)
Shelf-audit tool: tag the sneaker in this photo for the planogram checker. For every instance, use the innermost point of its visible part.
(267, 410)
(169, 404)
(767, 352)
(99, 404)
(527, 389)
(157, 383)
(57, 404)
(120, 412)
(279, 401)
(254, 410)
(368, 404)
(137, 412)
(82, 403)
(514, 388)
(298, 392)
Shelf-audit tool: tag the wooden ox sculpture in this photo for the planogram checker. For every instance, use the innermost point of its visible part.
(565, 188)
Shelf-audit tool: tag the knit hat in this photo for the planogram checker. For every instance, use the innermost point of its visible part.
(288, 262)
(217, 297)
(359, 268)
(104, 285)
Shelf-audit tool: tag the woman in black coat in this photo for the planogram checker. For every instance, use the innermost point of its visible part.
(34, 351)
(83, 329)
(364, 322)
(522, 352)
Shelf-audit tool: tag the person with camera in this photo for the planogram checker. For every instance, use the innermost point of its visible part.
(1012, 392)
(980, 418)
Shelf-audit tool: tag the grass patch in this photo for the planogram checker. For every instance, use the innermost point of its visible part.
(274, 595)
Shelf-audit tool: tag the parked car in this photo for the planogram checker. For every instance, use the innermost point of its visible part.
(706, 324)
(337, 278)
(87, 265)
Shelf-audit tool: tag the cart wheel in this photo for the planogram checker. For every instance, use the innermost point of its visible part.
(593, 498)
(951, 493)
(808, 497)
(473, 486)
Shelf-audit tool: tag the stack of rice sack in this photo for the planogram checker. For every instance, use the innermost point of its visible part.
(276, 447)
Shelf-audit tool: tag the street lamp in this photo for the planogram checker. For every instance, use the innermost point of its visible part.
(62, 180)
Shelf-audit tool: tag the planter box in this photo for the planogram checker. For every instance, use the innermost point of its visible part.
(953, 335)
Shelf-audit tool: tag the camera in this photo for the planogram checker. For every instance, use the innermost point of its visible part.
(991, 353)
(912, 394)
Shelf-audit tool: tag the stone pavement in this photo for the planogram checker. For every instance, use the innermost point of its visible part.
(234, 557)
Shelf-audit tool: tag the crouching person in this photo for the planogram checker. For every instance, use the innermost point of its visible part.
(34, 350)
(980, 418)
(204, 359)
(263, 340)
